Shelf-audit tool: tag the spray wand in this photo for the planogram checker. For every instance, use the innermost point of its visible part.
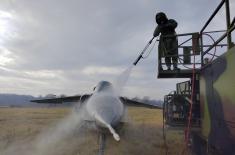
(143, 51)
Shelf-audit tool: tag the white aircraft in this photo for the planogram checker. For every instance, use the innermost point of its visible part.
(104, 106)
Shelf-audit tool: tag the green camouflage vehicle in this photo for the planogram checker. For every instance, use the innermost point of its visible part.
(212, 126)
(217, 99)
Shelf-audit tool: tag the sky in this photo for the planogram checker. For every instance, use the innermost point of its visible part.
(68, 46)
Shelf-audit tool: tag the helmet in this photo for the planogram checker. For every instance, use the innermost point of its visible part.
(161, 18)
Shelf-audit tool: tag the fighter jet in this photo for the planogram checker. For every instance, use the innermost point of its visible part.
(104, 107)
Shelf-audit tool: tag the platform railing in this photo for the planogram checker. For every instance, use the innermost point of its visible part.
(227, 33)
(204, 49)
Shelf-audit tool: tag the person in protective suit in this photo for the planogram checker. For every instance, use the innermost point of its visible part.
(168, 44)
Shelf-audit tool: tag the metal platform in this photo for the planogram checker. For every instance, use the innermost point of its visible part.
(183, 73)
(182, 127)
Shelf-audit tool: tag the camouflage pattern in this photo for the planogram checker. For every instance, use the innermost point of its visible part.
(217, 98)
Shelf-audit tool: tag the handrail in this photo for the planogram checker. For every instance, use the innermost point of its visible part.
(191, 33)
(219, 40)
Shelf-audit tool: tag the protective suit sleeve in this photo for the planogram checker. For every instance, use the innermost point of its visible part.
(157, 31)
(171, 24)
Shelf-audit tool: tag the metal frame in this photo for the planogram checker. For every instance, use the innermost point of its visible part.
(226, 33)
(230, 28)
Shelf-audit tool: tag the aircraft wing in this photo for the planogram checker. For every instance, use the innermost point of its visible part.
(134, 103)
(60, 100)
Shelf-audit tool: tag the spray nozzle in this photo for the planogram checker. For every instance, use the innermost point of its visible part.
(138, 59)
(150, 41)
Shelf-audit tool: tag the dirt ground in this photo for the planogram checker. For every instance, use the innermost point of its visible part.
(26, 131)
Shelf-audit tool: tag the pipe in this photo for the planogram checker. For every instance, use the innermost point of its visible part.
(212, 16)
(229, 37)
(141, 54)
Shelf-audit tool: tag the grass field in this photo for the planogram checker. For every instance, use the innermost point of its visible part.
(27, 131)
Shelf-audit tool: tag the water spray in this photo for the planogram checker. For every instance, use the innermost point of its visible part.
(143, 51)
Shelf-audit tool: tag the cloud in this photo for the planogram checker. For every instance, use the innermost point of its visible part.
(6, 57)
(43, 74)
(95, 70)
(66, 47)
